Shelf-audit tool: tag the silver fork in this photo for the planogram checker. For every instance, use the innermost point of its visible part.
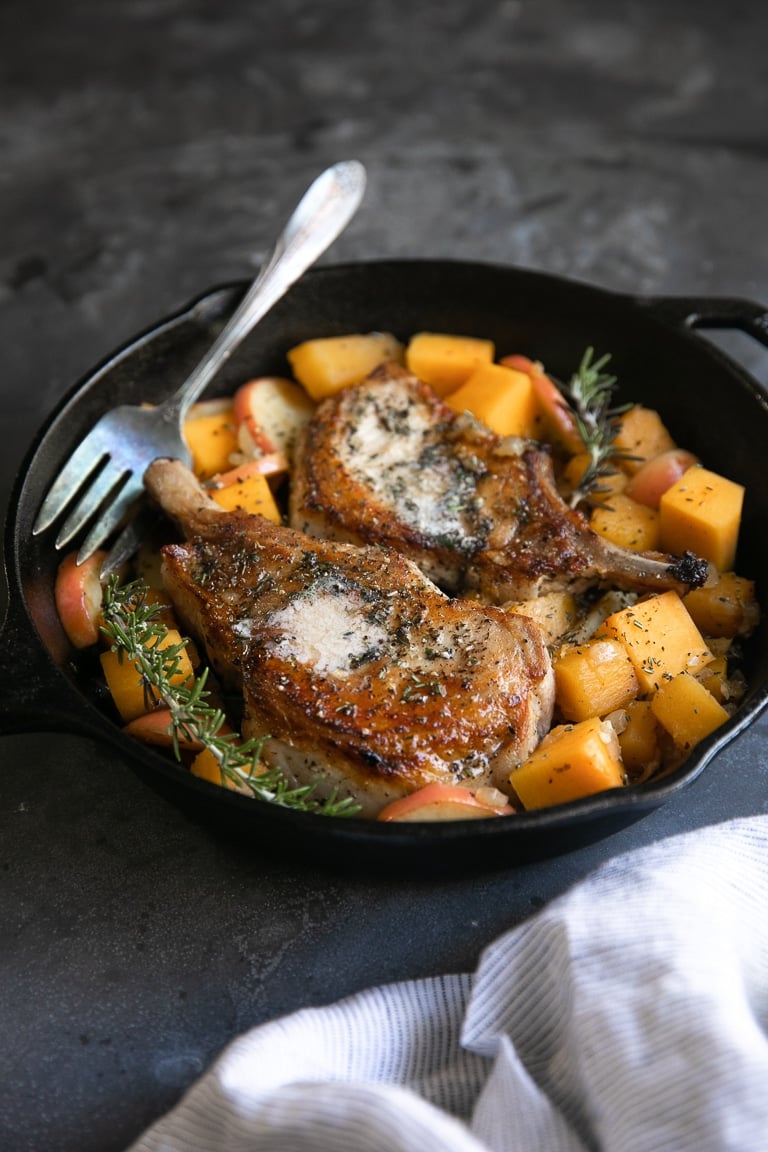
(105, 472)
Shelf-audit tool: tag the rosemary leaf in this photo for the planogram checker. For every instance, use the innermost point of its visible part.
(132, 626)
(588, 394)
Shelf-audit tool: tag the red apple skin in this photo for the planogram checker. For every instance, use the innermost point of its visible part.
(79, 596)
(559, 419)
(653, 478)
(245, 405)
(155, 728)
(441, 802)
(520, 363)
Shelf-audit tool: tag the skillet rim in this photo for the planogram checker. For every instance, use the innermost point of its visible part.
(616, 805)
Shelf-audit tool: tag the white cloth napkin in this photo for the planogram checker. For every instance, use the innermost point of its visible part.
(629, 1015)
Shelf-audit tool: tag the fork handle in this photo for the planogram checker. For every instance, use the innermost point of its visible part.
(322, 213)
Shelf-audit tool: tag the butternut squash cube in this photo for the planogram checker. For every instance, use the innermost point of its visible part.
(625, 522)
(726, 608)
(572, 761)
(642, 435)
(503, 398)
(639, 741)
(126, 683)
(553, 422)
(660, 637)
(329, 363)
(206, 767)
(701, 513)
(251, 494)
(155, 597)
(554, 612)
(593, 679)
(211, 437)
(445, 362)
(687, 711)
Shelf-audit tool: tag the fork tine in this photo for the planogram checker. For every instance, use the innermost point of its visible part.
(104, 487)
(82, 464)
(110, 518)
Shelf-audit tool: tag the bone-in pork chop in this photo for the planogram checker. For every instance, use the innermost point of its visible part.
(387, 462)
(359, 669)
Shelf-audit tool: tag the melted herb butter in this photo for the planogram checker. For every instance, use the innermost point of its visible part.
(406, 464)
(327, 632)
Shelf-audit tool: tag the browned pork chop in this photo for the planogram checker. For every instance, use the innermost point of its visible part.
(359, 669)
(387, 462)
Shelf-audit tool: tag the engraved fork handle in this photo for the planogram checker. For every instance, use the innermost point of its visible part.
(322, 213)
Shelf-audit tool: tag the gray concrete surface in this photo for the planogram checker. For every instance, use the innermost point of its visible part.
(148, 148)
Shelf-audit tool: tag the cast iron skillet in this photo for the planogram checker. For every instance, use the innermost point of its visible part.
(709, 403)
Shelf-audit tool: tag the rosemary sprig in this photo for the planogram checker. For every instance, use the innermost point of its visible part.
(132, 624)
(588, 395)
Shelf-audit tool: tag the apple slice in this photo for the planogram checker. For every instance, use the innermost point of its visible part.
(270, 412)
(448, 802)
(156, 728)
(219, 405)
(79, 595)
(656, 475)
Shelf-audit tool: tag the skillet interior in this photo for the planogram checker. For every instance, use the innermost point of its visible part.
(709, 404)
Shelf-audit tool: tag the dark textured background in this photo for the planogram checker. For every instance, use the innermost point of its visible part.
(148, 149)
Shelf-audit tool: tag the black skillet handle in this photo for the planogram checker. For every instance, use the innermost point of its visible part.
(713, 312)
(34, 695)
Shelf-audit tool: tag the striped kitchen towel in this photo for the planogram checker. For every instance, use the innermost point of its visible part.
(629, 1015)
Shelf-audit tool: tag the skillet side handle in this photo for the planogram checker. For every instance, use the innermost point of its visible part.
(34, 696)
(713, 312)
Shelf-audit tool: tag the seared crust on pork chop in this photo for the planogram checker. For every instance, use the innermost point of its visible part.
(387, 462)
(357, 667)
